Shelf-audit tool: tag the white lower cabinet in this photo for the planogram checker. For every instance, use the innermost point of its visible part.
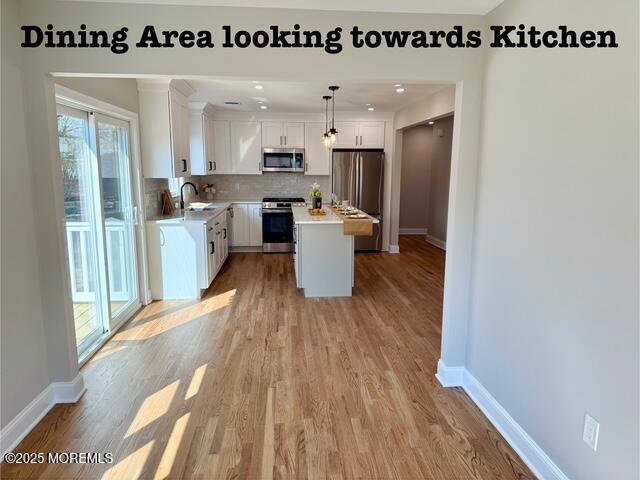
(185, 257)
(247, 225)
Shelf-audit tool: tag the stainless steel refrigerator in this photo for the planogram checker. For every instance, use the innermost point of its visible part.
(358, 177)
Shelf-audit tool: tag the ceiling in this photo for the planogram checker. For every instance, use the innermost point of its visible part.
(299, 97)
(469, 7)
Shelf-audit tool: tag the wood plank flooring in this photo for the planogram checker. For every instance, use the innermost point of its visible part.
(256, 382)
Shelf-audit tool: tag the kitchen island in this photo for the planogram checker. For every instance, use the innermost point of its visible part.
(323, 255)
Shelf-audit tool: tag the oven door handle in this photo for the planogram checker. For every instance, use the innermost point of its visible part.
(276, 210)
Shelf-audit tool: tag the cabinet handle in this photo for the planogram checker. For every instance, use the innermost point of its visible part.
(356, 139)
(260, 212)
(184, 165)
(259, 166)
(225, 232)
(306, 166)
(231, 212)
(210, 166)
(360, 140)
(209, 229)
(285, 139)
(215, 166)
(281, 140)
(213, 248)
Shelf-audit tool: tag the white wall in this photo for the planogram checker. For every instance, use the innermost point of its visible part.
(24, 372)
(554, 330)
(439, 179)
(122, 92)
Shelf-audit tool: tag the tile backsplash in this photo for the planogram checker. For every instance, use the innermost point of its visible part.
(239, 187)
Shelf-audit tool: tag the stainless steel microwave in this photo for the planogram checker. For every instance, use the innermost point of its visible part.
(283, 159)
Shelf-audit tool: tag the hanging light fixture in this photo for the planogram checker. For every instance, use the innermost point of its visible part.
(325, 137)
(333, 133)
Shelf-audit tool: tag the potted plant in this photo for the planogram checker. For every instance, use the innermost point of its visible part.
(209, 189)
(316, 196)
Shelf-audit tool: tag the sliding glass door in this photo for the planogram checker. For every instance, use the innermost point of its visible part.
(100, 221)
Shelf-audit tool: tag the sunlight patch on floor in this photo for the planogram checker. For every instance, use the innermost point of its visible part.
(170, 321)
(131, 466)
(196, 381)
(170, 451)
(153, 407)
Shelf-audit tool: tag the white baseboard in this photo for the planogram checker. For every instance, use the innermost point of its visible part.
(449, 376)
(413, 231)
(394, 248)
(436, 242)
(69, 392)
(57, 392)
(529, 451)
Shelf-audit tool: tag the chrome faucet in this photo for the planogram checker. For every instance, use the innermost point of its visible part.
(182, 195)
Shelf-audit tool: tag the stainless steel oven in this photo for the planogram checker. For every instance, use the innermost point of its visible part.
(283, 159)
(277, 224)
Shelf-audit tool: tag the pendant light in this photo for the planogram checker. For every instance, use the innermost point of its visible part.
(333, 133)
(325, 137)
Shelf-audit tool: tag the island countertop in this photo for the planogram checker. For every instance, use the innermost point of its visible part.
(301, 215)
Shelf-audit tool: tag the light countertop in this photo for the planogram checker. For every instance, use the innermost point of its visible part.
(183, 216)
(301, 215)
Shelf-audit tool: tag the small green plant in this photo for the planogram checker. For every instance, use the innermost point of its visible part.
(315, 190)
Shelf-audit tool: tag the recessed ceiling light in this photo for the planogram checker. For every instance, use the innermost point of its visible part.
(371, 109)
(263, 107)
(400, 90)
(397, 85)
(367, 104)
(258, 87)
(431, 123)
(255, 81)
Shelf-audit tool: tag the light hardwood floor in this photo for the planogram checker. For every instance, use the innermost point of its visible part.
(255, 381)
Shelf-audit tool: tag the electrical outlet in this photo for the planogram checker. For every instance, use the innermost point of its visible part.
(590, 431)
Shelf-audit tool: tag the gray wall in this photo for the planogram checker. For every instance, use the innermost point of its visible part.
(439, 178)
(416, 175)
(122, 92)
(554, 325)
(23, 359)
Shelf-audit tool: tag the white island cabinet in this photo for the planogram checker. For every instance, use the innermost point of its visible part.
(186, 252)
(324, 255)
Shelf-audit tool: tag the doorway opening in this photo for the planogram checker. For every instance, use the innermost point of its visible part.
(425, 179)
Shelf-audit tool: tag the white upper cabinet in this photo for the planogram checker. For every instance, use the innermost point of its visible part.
(221, 146)
(164, 128)
(282, 135)
(347, 134)
(317, 156)
(246, 151)
(360, 134)
(371, 135)
(201, 139)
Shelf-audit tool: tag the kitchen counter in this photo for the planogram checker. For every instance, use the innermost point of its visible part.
(302, 216)
(198, 216)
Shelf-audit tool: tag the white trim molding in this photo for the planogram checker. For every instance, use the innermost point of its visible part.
(57, 392)
(69, 392)
(436, 242)
(394, 248)
(413, 231)
(529, 451)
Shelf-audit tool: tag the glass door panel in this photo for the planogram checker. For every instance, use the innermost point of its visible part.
(81, 225)
(112, 138)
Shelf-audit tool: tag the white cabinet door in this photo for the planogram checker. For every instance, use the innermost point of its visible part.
(347, 135)
(221, 147)
(317, 156)
(246, 148)
(272, 135)
(212, 266)
(294, 135)
(371, 135)
(224, 239)
(209, 146)
(179, 115)
(201, 144)
(255, 225)
(240, 225)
